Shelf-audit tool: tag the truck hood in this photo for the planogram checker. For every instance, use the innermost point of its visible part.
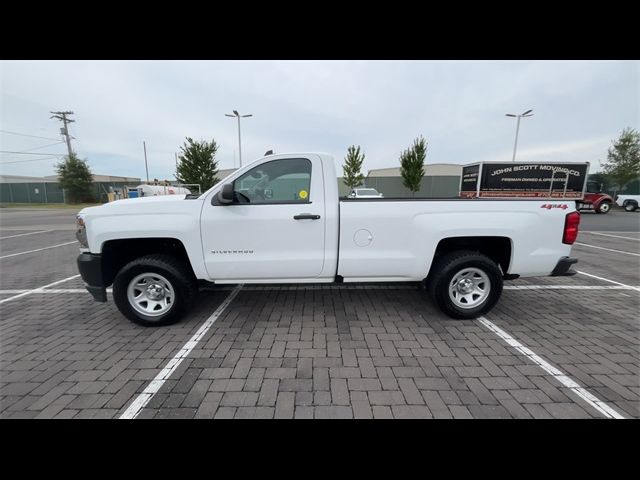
(135, 205)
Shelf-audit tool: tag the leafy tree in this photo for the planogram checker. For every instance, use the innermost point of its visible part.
(76, 179)
(351, 174)
(623, 158)
(197, 163)
(412, 165)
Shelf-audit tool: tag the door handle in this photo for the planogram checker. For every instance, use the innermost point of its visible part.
(306, 216)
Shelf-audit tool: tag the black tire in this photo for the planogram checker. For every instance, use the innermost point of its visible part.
(630, 206)
(182, 281)
(447, 266)
(604, 207)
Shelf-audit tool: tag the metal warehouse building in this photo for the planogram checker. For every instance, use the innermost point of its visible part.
(440, 180)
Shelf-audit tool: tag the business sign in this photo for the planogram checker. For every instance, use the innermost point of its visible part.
(526, 180)
(469, 181)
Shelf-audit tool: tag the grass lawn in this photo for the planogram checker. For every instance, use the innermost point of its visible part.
(77, 206)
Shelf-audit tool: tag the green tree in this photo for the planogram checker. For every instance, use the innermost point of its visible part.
(351, 174)
(197, 163)
(412, 165)
(623, 158)
(76, 179)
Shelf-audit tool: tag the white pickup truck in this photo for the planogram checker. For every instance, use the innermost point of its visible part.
(628, 202)
(280, 220)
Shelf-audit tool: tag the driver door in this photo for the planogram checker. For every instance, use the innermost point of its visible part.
(273, 230)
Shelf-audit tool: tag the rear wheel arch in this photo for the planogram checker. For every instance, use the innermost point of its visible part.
(497, 248)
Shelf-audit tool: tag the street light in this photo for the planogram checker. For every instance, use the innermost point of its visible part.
(236, 114)
(525, 114)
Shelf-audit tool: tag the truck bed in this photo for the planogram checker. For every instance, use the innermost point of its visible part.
(393, 239)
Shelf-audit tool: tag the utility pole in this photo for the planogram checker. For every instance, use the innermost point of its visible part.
(176, 154)
(64, 130)
(146, 167)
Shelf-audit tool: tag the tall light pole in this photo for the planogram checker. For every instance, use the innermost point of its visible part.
(525, 114)
(236, 114)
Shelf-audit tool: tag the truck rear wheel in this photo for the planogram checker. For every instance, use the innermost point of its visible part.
(154, 290)
(465, 284)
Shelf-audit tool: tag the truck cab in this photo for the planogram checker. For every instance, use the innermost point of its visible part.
(594, 199)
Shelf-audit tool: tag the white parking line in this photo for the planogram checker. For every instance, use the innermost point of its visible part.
(37, 290)
(596, 403)
(607, 280)
(608, 249)
(23, 234)
(614, 236)
(65, 290)
(38, 249)
(141, 400)
(567, 287)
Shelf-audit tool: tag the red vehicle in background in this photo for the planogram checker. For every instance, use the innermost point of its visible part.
(595, 199)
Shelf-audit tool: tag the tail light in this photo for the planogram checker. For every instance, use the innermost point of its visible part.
(571, 223)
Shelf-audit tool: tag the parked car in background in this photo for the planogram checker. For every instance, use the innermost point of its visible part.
(594, 199)
(628, 202)
(365, 193)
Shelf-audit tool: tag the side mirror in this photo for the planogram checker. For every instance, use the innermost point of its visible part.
(225, 197)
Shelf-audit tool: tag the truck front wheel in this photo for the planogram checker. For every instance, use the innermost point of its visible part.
(465, 284)
(630, 206)
(154, 290)
(604, 207)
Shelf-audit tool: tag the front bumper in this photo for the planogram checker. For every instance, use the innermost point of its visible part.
(563, 267)
(90, 267)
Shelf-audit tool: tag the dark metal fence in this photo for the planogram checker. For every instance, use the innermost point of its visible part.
(45, 192)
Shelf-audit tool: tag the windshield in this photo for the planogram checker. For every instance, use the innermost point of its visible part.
(367, 191)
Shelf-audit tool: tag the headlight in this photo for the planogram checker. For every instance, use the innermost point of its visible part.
(81, 232)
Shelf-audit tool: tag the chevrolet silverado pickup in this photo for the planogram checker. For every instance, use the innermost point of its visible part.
(280, 220)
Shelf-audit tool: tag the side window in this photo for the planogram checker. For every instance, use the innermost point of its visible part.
(279, 181)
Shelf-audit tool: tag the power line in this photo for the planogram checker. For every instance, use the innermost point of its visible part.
(25, 153)
(25, 135)
(42, 146)
(29, 160)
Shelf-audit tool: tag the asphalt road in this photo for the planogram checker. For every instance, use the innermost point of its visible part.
(614, 221)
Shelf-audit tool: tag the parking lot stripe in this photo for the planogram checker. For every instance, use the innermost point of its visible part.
(38, 250)
(23, 234)
(141, 401)
(608, 249)
(596, 403)
(37, 290)
(607, 280)
(567, 287)
(614, 236)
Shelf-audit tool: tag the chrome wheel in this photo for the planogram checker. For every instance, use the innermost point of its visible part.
(469, 287)
(604, 207)
(150, 294)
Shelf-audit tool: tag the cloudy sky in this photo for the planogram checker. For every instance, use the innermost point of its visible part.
(458, 106)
